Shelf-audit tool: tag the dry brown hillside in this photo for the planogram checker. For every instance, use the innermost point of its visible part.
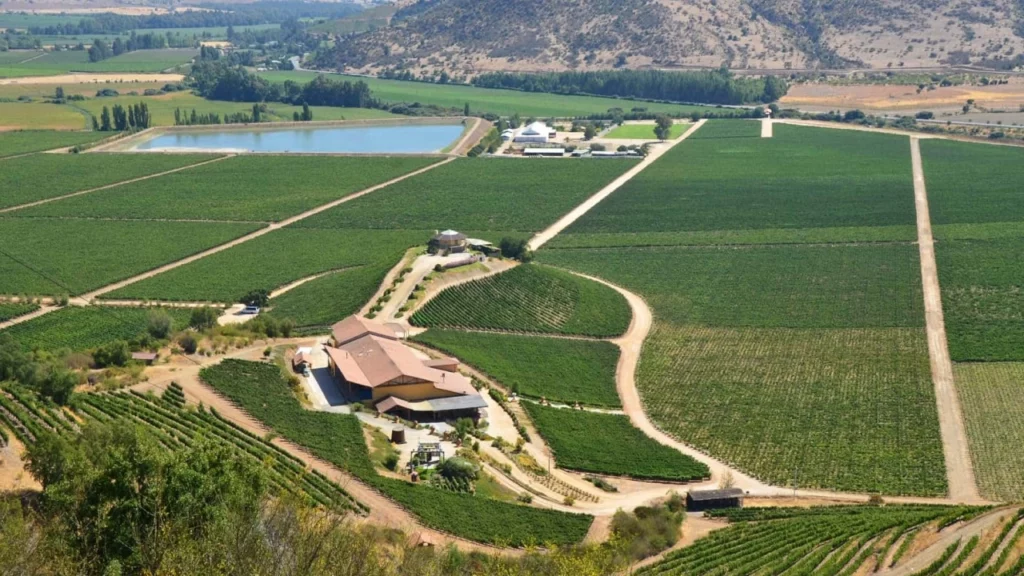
(468, 36)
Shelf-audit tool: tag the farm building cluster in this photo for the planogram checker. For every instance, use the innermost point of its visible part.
(373, 366)
(533, 133)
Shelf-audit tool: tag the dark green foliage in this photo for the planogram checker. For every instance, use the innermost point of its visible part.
(560, 370)
(530, 298)
(982, 298)
(516, 248)
(42, 176)
(204, 318)
(215, 191)
(800, 178)
(116, 353)
(259, 389)
(10, 310)
(317, 304)
(259, 297)
(476, 194)
(84, 328)
(609, 444)
(57, 257)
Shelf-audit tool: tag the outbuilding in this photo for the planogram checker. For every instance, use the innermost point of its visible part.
(555, 152)
(700, 500)
(447, 242)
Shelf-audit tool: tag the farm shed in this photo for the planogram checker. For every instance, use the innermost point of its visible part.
(556, 152)
(699, 500)
(448, 241)
(147, 358)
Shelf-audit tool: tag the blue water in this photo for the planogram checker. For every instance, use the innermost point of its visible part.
(314, 140)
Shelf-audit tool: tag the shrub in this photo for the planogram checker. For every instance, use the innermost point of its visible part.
(115, 353)
(188, 342)
(391, 461)
(158, 324)
(204, 318)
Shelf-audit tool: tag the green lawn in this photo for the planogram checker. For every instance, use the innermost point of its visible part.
(529, 298)
(338, 438)
(43, 176)
(801, 178)
(23, 142)
(274, 260)
(477, 194)
(75, 256)
(560, 370)
(609, 444)
(644, 131)
(85, 328)
(503, 102)
(246, 187)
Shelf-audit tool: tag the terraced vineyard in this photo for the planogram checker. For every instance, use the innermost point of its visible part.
(23, 142)
(338, 438)
(823, 541)
(529, 298)
(84, 328)
(609, 444)
(556, 369)
(174, 427)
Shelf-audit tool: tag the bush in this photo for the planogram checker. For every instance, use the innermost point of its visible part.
(458, 468)
(115, 353)
(204, 318)
(188, 342)
(258, 297)
(648, 530)
(158, 324)
(391, 461)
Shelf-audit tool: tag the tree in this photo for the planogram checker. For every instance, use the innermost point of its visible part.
(158, 324)
(188, 342)
(115, 353)
(853, 115)
(95, 124)
(465, 109)
(58, 94)
(589, 132)
(58, 384)
(204, 318)
(258, 297)
(105, 120)
(256, 113)
(307, 114)
(517, 248)
(662, 127)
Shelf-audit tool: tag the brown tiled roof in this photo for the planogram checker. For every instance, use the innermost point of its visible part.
(374, 361)
(354, 327)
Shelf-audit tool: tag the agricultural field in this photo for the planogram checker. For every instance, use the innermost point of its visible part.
(982, 300)
(24, 142)
(53, 63)
(853, 234)
(337, 438)
(81, 329)
(274, 260)
(57, 257)
(529, 298)
(495, 101)
(798, 286)
(971, 183)
(805, 361)
(557, 369)
(165, 420)
(317, 304)
(992, 396)
(10, 310)
(718, 129)
(609, 444)
(829, 540)
(43, 176)
(162, 106)
(802, 178)
(41, 90)
(11, 57)
(644, 132)
(477, 194)
(246, 187)
(42, 116)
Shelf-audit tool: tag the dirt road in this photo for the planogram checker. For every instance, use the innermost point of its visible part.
(564, 222)
(959, 470)
(964, 533)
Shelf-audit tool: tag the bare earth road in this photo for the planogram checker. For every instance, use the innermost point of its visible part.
(959, 470)
(564, 222)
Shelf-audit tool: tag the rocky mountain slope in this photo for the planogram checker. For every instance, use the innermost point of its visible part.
(468, 36)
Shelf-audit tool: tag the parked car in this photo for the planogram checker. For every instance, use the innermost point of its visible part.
(251, 310)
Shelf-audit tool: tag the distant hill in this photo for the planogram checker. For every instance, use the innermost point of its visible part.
(469, 36)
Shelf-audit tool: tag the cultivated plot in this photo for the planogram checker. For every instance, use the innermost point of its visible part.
(559, 370)
(10, 310)
(803, 178)
(42, 176)
(609, 444)
(23, 142)
(529, 298)
(274, 260)
(85, 328)
(485, 194)
(330, 298)
(53, 63)
(246, 187)
(41, 116)
(53, 257)
(644, 132)
(992, 396)
(971, 183)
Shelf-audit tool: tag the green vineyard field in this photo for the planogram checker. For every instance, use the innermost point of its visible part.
(85, 328)
(23, 142)
(529, 298)
(992, 396)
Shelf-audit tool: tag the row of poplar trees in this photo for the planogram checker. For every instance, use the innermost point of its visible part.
(121, 118)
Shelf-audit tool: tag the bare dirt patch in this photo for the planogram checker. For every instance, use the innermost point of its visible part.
(13, 476)
(90, 78)
(903, 97)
